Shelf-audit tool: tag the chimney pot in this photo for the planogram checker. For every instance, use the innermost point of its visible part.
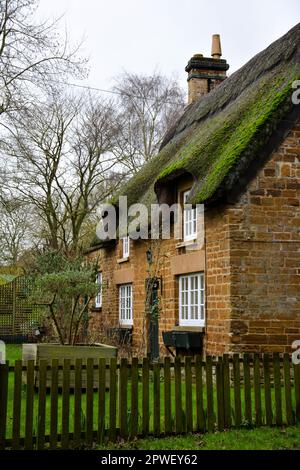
(216, 50)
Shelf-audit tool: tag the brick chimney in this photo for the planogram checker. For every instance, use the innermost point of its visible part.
(205, 73)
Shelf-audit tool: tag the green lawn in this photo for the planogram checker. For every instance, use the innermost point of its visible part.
(13, 352)
(244, 439)
(263, 438)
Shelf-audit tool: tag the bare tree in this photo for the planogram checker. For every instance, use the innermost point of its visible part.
(32, 53)
(60, 162)
(92, 166)
(15, 231)
(148, 106)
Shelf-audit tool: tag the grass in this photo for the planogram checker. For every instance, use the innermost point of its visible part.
(259, 438)
(13, 352)
(242, 439)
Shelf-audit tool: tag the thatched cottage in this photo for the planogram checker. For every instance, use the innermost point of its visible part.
(236, 150)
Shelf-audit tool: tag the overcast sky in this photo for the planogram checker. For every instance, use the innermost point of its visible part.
(143, 35)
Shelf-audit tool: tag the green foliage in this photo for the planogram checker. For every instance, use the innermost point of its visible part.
(68, 284)
(55, 262)
(65, 286)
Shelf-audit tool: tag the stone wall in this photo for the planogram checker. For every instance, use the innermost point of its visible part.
(265, 255)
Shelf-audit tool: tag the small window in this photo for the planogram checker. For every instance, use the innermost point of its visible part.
(189, 219)
(125, 304)
(98, 298)
(126, 247)
(191, 300)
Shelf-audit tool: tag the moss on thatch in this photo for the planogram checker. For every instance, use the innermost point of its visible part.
(219, 142)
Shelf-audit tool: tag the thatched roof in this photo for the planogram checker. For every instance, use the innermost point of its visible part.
(221, 136)
(238, 116)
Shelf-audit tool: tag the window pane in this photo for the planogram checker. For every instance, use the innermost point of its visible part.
(191, 297)
(125, 293)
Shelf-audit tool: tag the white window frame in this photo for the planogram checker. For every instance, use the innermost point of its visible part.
(192, 300)
(98, 298)
(126, 304)
(125, 247)
(189, 219)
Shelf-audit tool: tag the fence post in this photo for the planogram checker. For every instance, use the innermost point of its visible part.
(210, 395)
(101, 399)
(257, 390)
(267, 389)
(156, 399)
(297, 390)
(42, 377)
(247, 388)
(145, 385)
(65, 404)
(188, 394)
(277, 386)
(17, 405)
(112, 399)
(237, 390)
(89, 401)
(167, 395)
(123, 397)
(226, 393)
(54, 404)
(134, 397)
(288, 389)
(199, 395)
(220, 394)
(178, 396)
(77, 402)
(4, 368)
(29, 406)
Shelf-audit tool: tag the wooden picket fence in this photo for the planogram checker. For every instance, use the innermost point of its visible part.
(138, 398)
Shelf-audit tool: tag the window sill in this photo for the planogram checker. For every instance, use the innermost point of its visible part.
(123, 260)
(125, 326)
(196, 329)
(187, 243)
(96, 309)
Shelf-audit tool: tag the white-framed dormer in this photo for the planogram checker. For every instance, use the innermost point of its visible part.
(189, 219)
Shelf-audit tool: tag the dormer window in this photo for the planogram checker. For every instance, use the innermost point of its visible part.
(125, 247)
(189, 219)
